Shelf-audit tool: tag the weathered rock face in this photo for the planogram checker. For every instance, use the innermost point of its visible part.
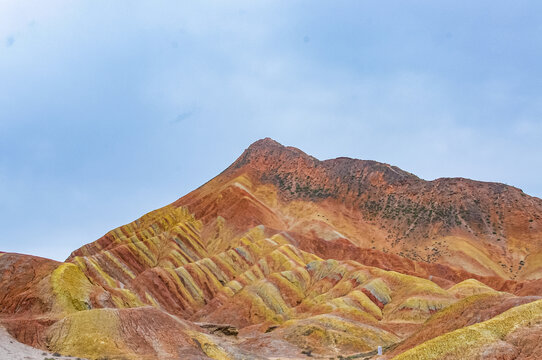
(488, 229)
(286, 256)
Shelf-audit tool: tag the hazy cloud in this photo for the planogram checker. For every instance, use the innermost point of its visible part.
(10, 40)
(183, 116)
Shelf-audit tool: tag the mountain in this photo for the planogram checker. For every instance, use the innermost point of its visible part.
(286, 256)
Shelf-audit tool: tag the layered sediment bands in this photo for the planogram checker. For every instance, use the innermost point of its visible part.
(498, 337)
(468, 311)
(286, 256)
(336, 296)
(24, 283)
(378, 205)
(168, 237)
(139, 333)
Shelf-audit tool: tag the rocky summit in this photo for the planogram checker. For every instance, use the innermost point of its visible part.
(284, 256)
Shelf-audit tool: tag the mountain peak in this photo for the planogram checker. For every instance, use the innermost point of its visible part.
(267, 152)
(229, 264)
(268, 145)
(265, 143)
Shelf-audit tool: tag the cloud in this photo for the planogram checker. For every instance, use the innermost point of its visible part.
(10, 40)
(183, 116)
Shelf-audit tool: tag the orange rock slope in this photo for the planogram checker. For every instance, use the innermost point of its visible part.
(285, 256)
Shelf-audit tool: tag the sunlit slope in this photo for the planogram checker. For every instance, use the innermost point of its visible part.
(263, 283)
(283, 255)
(514, 334)
(488, 229)
(396, 220)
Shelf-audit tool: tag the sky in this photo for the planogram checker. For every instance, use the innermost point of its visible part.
(110, 109)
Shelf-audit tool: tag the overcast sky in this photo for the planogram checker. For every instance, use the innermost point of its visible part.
(110, 109)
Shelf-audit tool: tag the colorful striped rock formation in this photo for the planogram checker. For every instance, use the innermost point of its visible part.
(283, 256)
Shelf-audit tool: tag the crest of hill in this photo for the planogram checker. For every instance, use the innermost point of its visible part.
(387, 208)
(267, 155)
(272, 161)
(407, 206)
(288, 254)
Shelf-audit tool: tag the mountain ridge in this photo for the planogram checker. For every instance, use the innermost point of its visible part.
(282, 254)
(264, 145)
(390, 195)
